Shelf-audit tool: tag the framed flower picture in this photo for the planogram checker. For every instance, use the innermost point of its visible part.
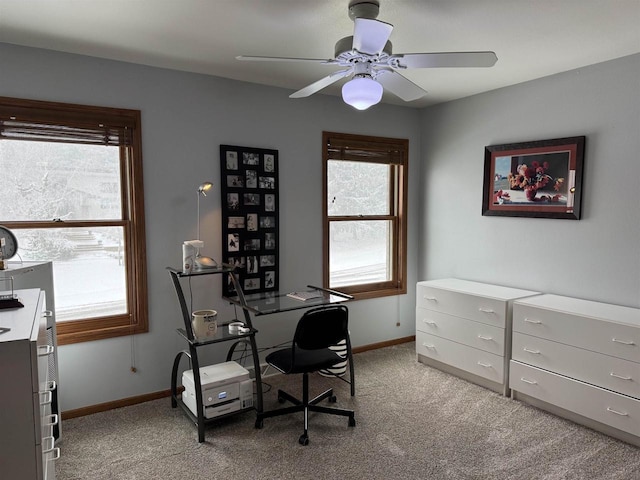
(540, 179)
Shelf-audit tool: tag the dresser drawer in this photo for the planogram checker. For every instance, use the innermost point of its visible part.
(478, 362)
(608, 372)
(608, 337)
(474, 334)
(481, 309)
(613, 409)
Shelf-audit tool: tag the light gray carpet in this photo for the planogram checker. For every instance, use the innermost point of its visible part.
(413, 422)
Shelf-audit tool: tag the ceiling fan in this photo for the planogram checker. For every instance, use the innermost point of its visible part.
(367, 57)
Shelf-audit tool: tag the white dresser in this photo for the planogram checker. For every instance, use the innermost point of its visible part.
(39, 275)
(27, 443)
(579, 359)
(464, 328)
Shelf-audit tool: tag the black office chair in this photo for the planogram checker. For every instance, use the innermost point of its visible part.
(317, 330)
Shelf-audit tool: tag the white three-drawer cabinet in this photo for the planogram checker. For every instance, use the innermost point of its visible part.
(579, 359)
(464, 328)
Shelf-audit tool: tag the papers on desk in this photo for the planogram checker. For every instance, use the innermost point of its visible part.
(302, 296)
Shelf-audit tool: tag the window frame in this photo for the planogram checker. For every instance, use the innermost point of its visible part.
(135, 320)
(370, 149)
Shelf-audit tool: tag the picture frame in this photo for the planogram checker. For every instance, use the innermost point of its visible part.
(540, 179)
(250, 217)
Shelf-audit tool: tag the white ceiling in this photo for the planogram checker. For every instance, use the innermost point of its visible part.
(532, 38)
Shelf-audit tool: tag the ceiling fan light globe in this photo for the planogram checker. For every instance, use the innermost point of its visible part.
(362, 92)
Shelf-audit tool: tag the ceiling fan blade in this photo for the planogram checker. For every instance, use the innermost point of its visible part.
(400, 85)
(370, 36)
(320, 84)
(445, 59)
(284, 59)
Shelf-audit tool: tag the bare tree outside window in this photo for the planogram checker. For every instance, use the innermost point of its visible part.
(57, 181)
(67, 200)
(359, 250)
(364, 218)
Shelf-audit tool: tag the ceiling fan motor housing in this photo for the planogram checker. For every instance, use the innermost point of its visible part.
(363, 9)
(344, 50)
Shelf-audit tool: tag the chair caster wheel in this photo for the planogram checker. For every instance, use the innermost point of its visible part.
(259, 423)
(352, 422)
(303, 440)
(333, 399)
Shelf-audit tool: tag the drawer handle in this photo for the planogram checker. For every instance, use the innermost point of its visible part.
(429, 322)
(55, 451)
(45, 350)
(428, 345)
(484, 337)
(624, 342)
(536, 322)
(485, 365)
(46, 441)
(49, 387)
(46, 397)
(486, 310)
(622, 414)
(431, 299)
(620, 376)
(535, 352)
(51, 420)
(530, 382)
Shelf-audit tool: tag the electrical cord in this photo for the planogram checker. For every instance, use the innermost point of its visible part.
(246, 352)
(190, 296)
(264, 390)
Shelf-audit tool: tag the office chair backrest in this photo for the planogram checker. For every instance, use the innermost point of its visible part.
(322, 327)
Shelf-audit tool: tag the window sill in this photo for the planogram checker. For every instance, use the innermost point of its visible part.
(359, 294)
(68, 333)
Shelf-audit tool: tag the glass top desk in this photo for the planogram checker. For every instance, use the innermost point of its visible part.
(276, 302)
(256, 304)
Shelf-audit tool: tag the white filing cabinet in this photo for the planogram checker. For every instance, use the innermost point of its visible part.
(464, 328)
(27, 449)
(579, 359)
(39, 275)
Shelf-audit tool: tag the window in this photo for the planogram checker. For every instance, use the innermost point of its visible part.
(365, 230)
(71, 191)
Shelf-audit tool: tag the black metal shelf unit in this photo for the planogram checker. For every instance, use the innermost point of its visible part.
(222, 335)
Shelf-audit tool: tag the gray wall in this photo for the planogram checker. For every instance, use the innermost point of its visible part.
(596, 258)
(185, 118)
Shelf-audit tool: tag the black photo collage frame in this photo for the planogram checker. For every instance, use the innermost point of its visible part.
(249, 178)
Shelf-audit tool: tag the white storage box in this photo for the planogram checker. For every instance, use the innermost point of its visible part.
(226, 387)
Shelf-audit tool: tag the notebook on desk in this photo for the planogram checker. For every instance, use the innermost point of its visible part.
(302, 296)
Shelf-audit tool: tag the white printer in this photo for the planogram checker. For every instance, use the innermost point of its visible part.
(226, 388)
